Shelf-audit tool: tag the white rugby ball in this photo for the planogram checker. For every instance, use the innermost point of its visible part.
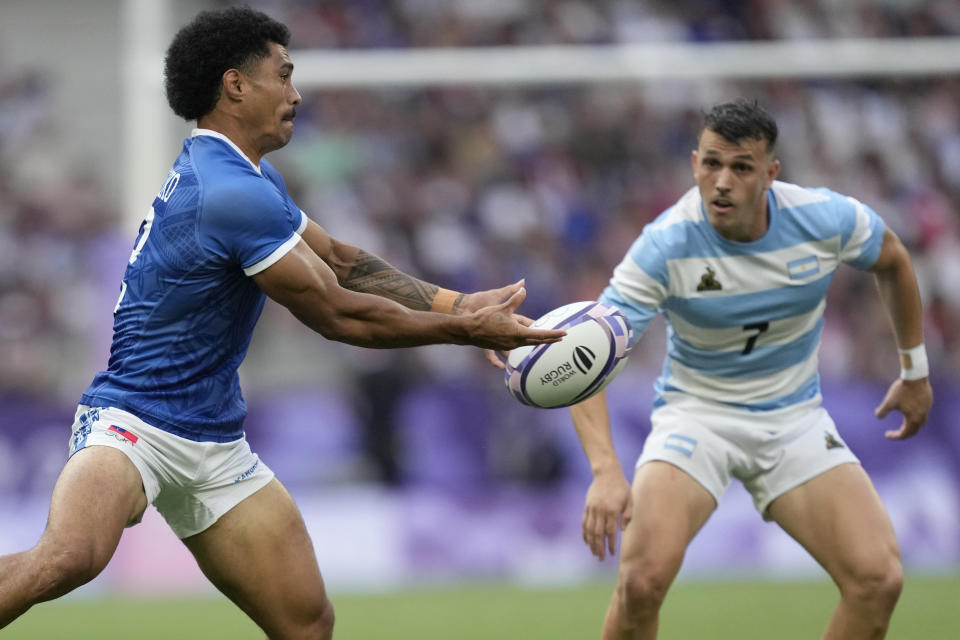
(563, 373)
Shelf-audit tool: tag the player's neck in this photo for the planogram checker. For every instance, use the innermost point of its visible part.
(762, 223)
(232, 129)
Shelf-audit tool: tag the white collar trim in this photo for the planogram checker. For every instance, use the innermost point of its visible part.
(217, 134)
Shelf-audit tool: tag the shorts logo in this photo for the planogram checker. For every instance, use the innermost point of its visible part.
(832, 443)
(683, 444)
(79, 438)
(121, 434)
(246, 474)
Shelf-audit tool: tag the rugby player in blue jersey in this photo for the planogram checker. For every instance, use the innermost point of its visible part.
(739, 267)
(163, 424)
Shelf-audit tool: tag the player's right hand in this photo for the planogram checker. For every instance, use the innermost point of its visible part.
(608, 509)
(497, 358)
(498, 328)
(912, 398)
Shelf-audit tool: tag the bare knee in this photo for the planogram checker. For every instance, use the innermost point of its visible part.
(314, 623)
(876, 585)
(59, 569)
(641, 592)
(323, 625)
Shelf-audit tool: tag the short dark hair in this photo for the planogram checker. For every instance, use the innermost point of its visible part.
(203, 50)
(740, 120)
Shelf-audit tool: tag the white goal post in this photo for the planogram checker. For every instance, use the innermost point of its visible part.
(539, 65)
(149, 127)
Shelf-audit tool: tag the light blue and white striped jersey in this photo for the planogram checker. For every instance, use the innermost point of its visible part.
(744, 318)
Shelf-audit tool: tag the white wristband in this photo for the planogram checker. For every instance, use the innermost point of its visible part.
(913, 363)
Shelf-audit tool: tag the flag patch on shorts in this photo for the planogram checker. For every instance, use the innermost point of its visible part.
(683, 444)
(123, 433)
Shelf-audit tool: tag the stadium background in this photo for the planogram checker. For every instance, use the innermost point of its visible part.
(414, 466)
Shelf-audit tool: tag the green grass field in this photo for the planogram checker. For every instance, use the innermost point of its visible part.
(929, 610)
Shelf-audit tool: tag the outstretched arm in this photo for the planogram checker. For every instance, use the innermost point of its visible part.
(608, 501)
(309, 288)
(364, 272)
(911, 394)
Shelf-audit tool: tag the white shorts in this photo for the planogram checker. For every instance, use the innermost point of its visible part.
(769, 452)
(192, 484)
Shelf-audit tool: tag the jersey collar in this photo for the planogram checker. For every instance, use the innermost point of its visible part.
(217, 134)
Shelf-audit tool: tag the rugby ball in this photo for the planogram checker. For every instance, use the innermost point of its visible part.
(559, 374)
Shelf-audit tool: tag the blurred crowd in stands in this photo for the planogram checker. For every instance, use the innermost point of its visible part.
(462, 23)
(54, 223)
(474, 187)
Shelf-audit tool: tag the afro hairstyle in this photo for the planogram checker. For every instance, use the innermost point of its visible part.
(203, 50)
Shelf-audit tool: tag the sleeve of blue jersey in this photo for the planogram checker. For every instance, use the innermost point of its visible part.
(248, 222)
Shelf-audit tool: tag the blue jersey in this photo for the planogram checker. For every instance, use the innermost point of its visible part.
(188, 304)
(744, 318)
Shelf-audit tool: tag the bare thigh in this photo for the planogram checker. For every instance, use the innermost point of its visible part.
(259, 554)
(98, 493)
(839, 518)
(669, 508)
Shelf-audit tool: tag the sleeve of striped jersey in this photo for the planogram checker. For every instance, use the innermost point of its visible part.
(862, 236)
(639, 284)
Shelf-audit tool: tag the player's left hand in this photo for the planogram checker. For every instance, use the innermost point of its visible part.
(479, 299)
(912, 398)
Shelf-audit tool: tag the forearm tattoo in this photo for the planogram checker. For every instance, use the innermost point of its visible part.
(370, 274)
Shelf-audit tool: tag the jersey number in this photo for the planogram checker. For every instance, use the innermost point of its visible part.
(145, 228)
(759, 327)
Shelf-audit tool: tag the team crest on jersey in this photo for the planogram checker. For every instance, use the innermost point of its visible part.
(832, 442)
(709, 282)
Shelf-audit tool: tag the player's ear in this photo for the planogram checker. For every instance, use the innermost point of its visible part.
(772, 172)
(232, 84)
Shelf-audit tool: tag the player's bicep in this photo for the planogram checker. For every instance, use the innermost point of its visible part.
(892, 253)
(317, 239)
(303, 283)
(339, 256)
(308, 287)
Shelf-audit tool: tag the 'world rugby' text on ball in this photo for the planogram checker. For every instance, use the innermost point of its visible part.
(563, 373)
